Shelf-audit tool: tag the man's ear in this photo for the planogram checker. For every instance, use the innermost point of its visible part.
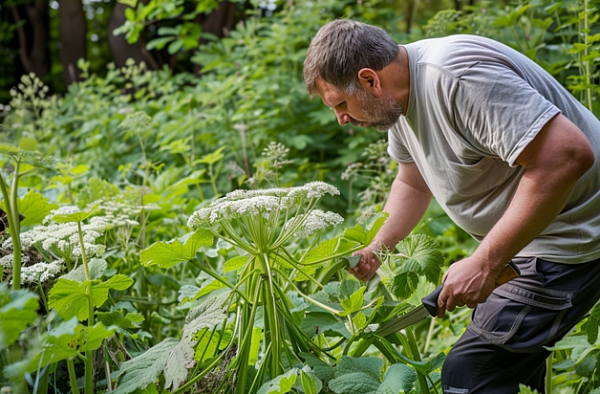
(369, 80)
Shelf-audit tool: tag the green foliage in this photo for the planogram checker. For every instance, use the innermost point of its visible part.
(167, 254)
(18, 310)
(362, 376)
(417, 256)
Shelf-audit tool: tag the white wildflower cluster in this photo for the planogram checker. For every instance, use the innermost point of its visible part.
(314, 221)
(41, 272)
(117, 214)
(229, 209)
(242, 203)
(352, 169)
(313, 190)
(277, 153)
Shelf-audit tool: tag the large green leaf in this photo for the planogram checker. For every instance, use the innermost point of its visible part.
(145, 369)
(167, 254)
(351, 295)
(417, 256)
(18, 309)
(362, 376)
(207, 315)
(97, 268)
(282, 384)
(69, 339)
(70, 298)
(35, 208)
(398, 377)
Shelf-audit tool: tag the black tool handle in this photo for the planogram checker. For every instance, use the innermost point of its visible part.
(430, 301)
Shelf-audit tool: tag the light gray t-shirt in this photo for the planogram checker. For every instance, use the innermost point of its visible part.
(474, 105)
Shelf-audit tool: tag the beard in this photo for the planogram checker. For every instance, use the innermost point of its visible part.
(383, 112)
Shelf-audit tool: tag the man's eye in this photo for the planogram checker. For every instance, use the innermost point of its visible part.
(341, 105)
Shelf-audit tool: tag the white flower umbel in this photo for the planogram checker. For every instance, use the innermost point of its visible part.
(260, 215)
(41, 272)
(316, 220)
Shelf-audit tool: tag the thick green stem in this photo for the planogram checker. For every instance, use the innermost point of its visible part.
(89, 365)
(245, 338)
(83, 256)
(72, 376)
(549, 373)
(416, 355)
(14, 234)
(271, 321)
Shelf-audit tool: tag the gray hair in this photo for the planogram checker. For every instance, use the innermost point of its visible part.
(343, 47)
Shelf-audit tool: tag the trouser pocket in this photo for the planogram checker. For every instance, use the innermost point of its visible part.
(521, 317)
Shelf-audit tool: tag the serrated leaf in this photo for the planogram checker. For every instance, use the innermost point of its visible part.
(207, 315)
(321, 369)
(116, 318)
(167, 254)
(377, 224)
(417, 256)
(282, 384)
(398, 377)
(70, 298)
(61, 344)
(354, 302)
(18, 309)
(322, 251)
(187, 293)
(356, 234)
(404, 285)
(359, 320)
(370, 366)
(145, 369)
(354, 383)
(97, 268)
(208, 287)
(35, 208)
(348, 287)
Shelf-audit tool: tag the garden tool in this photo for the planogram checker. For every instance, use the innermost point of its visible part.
(429, 305)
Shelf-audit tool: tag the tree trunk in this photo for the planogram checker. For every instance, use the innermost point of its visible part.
(33, 35)
(119, 46)
(219, 22)
(73, 30)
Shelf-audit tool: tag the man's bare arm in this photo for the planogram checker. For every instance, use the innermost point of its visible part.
(406, 205)
(556, 158)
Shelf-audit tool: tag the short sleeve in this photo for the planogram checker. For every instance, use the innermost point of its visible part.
(499, 111)
(396, 147)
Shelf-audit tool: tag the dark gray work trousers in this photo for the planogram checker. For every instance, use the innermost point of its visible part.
(503, 346)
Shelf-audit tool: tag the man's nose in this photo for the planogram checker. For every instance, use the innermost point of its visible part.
(342, 117)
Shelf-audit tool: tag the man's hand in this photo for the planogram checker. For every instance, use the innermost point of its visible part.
(368, 264)
(467, 282)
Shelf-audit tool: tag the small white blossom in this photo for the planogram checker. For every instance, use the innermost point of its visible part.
(315, 221)
(41, 272)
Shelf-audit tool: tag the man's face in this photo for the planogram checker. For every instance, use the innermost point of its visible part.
(360, 108)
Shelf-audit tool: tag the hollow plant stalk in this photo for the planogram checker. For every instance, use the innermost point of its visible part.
(89, 365)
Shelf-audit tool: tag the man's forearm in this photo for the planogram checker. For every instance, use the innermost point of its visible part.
(406, 206)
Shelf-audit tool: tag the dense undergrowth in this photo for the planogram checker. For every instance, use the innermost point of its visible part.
(131, 264)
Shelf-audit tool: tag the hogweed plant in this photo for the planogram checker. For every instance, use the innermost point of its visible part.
(243, 328)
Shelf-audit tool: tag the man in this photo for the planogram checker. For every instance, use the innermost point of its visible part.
(511, 157)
